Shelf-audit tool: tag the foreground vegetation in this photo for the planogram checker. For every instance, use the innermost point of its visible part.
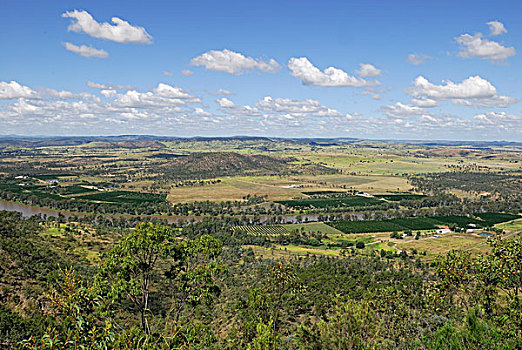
(158, 287)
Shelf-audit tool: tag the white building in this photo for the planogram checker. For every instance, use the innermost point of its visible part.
(443, 230)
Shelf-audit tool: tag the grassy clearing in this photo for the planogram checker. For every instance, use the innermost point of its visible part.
(511, 226)
(125, 197)
(285, 251)
(442, 245)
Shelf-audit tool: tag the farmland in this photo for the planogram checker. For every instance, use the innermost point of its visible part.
(264, 230)
(348, 201)
(427, 223)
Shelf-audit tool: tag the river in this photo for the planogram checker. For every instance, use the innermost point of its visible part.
(28, 211)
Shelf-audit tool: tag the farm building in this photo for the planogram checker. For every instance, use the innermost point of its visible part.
(443, 230)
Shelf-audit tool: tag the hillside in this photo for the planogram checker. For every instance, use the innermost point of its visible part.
(213, 164)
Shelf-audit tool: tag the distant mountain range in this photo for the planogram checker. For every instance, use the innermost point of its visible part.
(42, 141)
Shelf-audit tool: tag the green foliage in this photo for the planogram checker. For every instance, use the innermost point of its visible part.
(130, 266)
(125, 197)
(414, 223)
(348, 201)
(351, 325)
(400, 197)
(75, 305)
(495, 218)
(473, 333)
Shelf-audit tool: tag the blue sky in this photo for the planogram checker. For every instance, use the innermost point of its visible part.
(401, 69)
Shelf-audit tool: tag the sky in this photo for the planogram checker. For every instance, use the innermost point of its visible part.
(416, 70)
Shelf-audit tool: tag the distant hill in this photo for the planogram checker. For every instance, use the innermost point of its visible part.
(126, 144)
(213, 164)
(205, 165)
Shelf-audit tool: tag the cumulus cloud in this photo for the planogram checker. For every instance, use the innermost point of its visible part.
(368, 70)
(234, 62)
(164, 97)
(187, 72)
(296, 108)
(225, 103)
(168, 74)
(171, 110)
(224, 92)
(169, 91)
(400, 110)
(14, 90)
(309, 74)
(474, 46)
(496, 28)
(417, 59)
(424, 102)
(473, 91)
(86, 51)
(109, 86)
(201, 112)
(502, 120)
(132, 111)
(121, 31)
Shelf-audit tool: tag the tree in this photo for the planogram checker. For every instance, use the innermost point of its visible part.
(130, 265)
(192, 274)
(457, 273)
(79, 326)
(282, 281)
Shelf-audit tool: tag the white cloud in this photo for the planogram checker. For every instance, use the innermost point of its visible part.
(368, 70)
(63, 112)
(496, 28)
(500, 120)
(86, 51)
(171, 110)
(400, 110)
(109, 86)
(225, 103)
(296, 108)
(234, 62)
(169, 91)
(187, 72)
(96, 85)
(168, 74)
(472, 91)
(309, 74)
(121, 32)
(424, 102)
(201, 112)
(224, 92)
(417, 59)
(163, 97)
(108, 93)
(375, 93)
(474, 46)
(14, 90)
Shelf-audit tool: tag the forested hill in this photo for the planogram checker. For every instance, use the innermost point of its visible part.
(214, 164)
